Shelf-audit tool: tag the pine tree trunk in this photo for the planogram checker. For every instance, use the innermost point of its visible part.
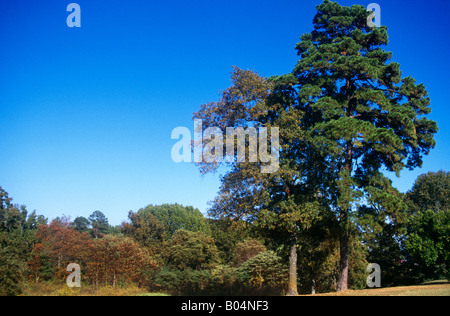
(292, 291)
(343, 229)
(343, 263)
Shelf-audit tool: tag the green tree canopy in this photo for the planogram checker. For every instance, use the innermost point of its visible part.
(17, 236)
(145, 228)
(428, 244)
(191, 250)
(173, 217)
(81, 224)
(99, 224)
(431, 191)
(263, 269)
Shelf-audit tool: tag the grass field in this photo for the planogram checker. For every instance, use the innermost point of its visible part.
(435, 288)
(52, 289)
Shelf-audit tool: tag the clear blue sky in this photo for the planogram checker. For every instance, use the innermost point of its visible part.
(86, 113)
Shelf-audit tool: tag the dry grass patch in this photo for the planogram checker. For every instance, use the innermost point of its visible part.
(441, 288)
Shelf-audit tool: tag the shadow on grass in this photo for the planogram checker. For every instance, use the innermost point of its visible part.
(436, 282)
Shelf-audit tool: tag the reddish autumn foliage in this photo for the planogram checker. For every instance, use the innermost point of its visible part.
(104, 261)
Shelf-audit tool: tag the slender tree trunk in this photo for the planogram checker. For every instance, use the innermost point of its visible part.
(313, 286)
(343, 262)
(292, 291)
(343, 229)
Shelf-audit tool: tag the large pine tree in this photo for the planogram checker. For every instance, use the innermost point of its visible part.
(360, 112)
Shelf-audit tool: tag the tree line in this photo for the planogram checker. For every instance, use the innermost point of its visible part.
(176, 249)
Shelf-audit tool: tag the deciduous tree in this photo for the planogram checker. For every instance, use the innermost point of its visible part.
(431, 191)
